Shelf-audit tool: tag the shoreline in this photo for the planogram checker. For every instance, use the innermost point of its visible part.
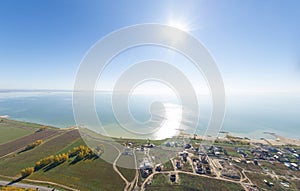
(277, 141)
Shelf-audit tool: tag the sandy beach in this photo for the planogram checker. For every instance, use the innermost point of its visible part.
(279, 140)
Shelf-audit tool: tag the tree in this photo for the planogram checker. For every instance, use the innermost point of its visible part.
(27, 171)
(80, 155)
(33, 145)
(13, 188)
(43, 128)
(44, 162)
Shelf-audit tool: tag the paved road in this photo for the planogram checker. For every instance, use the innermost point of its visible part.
(23, 185)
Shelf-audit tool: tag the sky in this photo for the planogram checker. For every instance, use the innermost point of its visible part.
(256, 44)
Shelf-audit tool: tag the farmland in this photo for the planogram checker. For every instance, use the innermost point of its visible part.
(12, 165)
(88, 174)
(9, 147)
(84, 175)
(97, 173)
(11, 130)
(191, 183)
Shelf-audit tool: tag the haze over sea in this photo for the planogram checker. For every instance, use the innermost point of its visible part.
(246, 116)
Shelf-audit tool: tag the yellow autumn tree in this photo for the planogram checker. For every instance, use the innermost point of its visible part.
(27, 171)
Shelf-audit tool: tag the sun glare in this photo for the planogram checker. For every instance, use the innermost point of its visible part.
(179, 24)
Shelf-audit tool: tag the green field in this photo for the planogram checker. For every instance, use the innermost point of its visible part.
(94, 174)
(11, 130)
(8, 133)
(90, 174)
(126, 161)
(279, 168)
(84, 175)
(191, 183)
(168, 166)
(258, 179)
(12, 165)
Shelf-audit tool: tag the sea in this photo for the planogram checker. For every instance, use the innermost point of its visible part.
(248, 115)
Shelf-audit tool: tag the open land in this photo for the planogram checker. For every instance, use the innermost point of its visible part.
(230, 163)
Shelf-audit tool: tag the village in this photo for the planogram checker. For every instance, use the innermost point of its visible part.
(254, 165)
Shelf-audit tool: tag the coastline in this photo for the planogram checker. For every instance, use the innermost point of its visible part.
(277, 141)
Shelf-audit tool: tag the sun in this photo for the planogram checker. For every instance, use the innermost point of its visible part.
(179, 24)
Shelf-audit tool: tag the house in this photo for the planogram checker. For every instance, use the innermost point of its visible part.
(173, 177)
(199, 171)
(204, 160)
(158, 168)
(208, 171)
(188, 146)
(294, 165)
(185, 155)
(127, 151)
(296, 155)
(217, 153)
(146, 169)
(287, 164)
(178, 164)
(149, 145)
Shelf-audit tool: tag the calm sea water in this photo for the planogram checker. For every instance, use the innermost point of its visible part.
(249, 115)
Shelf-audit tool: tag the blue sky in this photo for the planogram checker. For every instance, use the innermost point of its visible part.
(256, 44)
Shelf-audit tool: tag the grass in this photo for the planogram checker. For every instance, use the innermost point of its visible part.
(9, 133)
(128, 173)
(279, 168)
(167, 166)
(191, 183)
(84, 175)
(75, 143)
(20, 143)
(138, 142)
(12, 165)
(11, 130)
(231, 151)
(230, 144)
(258, 180)
(295, 184)
(127, 166)
(186, 166)
(91, 174)
(249, 167)
(160, 179)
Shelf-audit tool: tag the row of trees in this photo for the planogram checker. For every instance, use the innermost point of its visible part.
(33, 145)
(43, 128)
(13, 188)
(27, 171)
(79, 152)
(85, 152)
(57, 159)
